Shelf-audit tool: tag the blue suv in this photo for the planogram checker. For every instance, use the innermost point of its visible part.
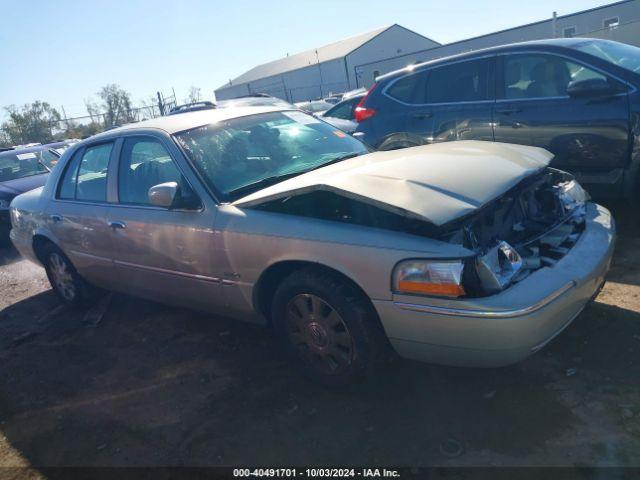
(577, 98)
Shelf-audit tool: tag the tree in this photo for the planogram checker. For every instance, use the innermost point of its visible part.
(116, 104)
(194, 95)
(34, 122)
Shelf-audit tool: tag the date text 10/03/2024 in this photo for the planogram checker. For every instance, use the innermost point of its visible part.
(316, 472)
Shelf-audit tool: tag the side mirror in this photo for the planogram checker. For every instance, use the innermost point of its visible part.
(592, 87)
(163, 195)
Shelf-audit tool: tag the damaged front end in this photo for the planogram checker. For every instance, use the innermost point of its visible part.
(532, 226)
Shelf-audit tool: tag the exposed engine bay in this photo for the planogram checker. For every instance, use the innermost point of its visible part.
(532, 225)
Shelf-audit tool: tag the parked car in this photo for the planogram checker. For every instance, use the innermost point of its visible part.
(21, 170)
(342, 115)
(258, 100)
(577, 98)
(463, 253)
(192, 107)
(315, 107)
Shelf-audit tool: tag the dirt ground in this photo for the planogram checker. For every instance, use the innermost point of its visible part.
(154, 385)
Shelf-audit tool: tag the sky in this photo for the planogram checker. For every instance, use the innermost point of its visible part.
(64, 51)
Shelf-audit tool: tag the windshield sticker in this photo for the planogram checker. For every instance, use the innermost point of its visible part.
(340, 134)
(26, 156)
(302, 118)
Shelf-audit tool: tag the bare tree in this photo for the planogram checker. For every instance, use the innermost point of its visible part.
(194, 95)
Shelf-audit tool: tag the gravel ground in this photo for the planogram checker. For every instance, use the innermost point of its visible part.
(155, 385)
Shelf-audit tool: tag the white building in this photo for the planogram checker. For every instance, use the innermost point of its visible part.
(356, 61)
(329, 69)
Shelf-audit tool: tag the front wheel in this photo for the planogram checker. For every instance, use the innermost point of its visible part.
(327, 327)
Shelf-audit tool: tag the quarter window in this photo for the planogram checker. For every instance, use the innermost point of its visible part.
(459, 82)
(144, 163)
(540, 76)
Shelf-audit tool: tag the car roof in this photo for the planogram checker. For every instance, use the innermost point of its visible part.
(177, 123)
(35, 148)
(550, 42)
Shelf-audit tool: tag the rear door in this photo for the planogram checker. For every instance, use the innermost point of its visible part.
(460, 98)
(162, 253)
(77, 213)
(589, 136)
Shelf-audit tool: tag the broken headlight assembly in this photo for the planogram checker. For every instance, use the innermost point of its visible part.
(571, 195)
(429, 277)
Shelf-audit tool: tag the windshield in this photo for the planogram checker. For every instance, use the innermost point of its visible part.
(20, 164)
(619, 54)
(244, 151)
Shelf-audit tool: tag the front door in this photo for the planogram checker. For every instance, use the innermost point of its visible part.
(588, 136)
(164, 254)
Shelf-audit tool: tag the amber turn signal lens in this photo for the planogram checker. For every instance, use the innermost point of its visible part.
(448, 290)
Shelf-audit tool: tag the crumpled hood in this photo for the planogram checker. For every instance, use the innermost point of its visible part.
(437, 183)
(11, 188)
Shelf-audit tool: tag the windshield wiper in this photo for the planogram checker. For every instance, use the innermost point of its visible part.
(337, 160)
(263, 183)
(272, 180)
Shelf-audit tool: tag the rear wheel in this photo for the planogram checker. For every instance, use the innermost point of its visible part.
(65, 280)
(327, 327)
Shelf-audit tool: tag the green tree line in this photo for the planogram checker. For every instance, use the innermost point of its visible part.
(41, 122)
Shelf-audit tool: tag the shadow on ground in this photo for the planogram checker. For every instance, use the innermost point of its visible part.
(155, 385)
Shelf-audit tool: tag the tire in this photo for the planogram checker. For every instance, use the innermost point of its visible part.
(68, 285)
(327, 327)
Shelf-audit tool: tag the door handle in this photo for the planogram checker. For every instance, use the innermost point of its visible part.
(55, 217)
(116, 224)
(508, 111)
(422, 115)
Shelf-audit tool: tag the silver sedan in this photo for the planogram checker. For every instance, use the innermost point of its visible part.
(464, 253)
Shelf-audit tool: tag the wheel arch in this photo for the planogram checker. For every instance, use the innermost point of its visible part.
(398, 140)
(38, 242)
(273, 275)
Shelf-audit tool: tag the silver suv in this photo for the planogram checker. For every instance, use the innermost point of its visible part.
(464, 253)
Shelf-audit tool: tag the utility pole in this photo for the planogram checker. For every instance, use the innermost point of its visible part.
(554, 22)
(160, 104)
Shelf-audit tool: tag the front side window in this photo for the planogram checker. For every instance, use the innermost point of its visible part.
(540, 76)
(241, 155)
(85, 177)
(459, 82)
(144, 163)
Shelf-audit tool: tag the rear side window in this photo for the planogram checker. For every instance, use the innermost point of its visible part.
(344, 110)
(86, 176)
(409, 89)
(459, 82)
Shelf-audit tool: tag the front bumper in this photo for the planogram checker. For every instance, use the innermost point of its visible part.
(5, 226)
(507, 327)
